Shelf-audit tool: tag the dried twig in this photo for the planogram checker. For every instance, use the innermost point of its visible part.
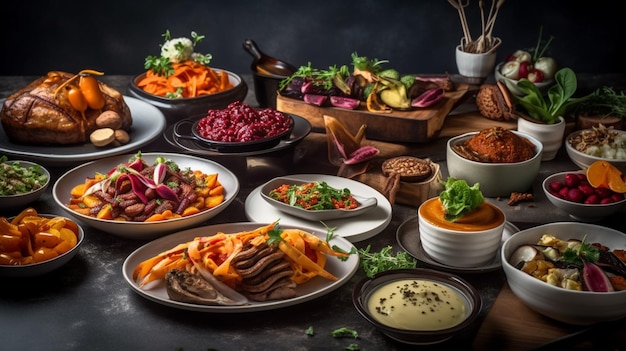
(485, 42)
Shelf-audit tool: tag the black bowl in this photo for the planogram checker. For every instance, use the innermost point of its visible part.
(191, 133)
(177, 109)
(364, 289)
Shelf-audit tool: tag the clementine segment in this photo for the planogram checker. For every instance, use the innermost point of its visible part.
(597, 174)
(602, 174)
(616, 181)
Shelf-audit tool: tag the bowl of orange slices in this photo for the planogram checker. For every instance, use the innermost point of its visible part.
(588, 195)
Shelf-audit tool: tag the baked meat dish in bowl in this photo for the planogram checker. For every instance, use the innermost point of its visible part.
(500, 160)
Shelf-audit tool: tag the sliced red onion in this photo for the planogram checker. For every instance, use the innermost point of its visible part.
(160, 170)
(166, 192)
(139, 187)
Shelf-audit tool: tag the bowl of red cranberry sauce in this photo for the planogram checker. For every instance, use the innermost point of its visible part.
(241, 128)
(571, 192)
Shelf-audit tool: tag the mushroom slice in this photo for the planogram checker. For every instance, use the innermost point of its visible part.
(187, 287)
(523, 254)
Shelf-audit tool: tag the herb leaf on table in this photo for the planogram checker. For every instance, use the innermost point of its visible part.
(384, 260)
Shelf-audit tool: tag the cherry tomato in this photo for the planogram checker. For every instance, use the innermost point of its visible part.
(91, 91)
(44, 254)
(47, 240)
(77, 99)
(10, 243)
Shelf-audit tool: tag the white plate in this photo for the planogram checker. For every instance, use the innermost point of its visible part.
(408, 237)
(148, 123)
(145, 230)
(353, 229)
(316, 287)
(365, 203)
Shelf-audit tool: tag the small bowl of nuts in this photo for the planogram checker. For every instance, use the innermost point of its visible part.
(410, 179)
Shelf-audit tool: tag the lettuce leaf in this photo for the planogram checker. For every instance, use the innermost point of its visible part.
(458, 198)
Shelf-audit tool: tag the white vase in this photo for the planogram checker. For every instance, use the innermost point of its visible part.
(475, 65)
(550, 135)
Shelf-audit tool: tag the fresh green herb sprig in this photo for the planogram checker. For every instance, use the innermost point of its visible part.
(162, 65)
(325, 78)
(330, 234)
(384, 260)
(274, 236)
(585, 252)
(343, 332)
(363, 63)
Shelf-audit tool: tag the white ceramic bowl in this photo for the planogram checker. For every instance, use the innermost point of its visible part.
(17, 202)
(568, 306)
(584, 160)
(460, 247)
(40, 268)
(511, 84)
(144, 230)
(576, 210)
(366, 287)
(495, 179)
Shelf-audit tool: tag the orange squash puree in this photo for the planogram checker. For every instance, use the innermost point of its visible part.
(486, 216)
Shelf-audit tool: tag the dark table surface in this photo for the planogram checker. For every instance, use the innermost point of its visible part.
(87, 304)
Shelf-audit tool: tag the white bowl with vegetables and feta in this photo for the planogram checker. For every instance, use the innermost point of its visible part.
(21, 183)
(585, 283)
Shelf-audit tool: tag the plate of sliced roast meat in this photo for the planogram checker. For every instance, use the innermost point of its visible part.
(240, 267)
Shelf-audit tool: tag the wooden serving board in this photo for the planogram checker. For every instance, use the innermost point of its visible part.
(511, 325)
(414, 126)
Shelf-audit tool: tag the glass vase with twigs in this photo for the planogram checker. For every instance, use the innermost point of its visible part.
(486, 42)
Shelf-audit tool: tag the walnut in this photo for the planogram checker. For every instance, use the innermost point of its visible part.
(519, 197)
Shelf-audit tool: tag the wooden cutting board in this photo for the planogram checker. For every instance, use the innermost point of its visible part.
(511, 325)
(415, 126)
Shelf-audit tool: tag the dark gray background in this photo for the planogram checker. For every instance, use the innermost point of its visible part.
(115, 36)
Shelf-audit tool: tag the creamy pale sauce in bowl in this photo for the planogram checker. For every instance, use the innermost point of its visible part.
(417, 304)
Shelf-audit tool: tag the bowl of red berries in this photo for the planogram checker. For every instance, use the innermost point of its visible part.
(572, 192)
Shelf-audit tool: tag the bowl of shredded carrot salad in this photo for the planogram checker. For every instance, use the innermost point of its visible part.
(181, 83)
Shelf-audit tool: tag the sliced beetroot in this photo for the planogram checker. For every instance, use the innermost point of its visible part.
(362, 154)
(344, 102)
(594, 278)
(428, 98)
(315, 99)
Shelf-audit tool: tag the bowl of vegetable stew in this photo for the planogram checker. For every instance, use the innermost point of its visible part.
(314, 201)
(569, 305)
(21, 183)
(123, 224)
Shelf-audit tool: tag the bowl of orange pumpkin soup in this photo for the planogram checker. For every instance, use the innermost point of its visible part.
(470, 241)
